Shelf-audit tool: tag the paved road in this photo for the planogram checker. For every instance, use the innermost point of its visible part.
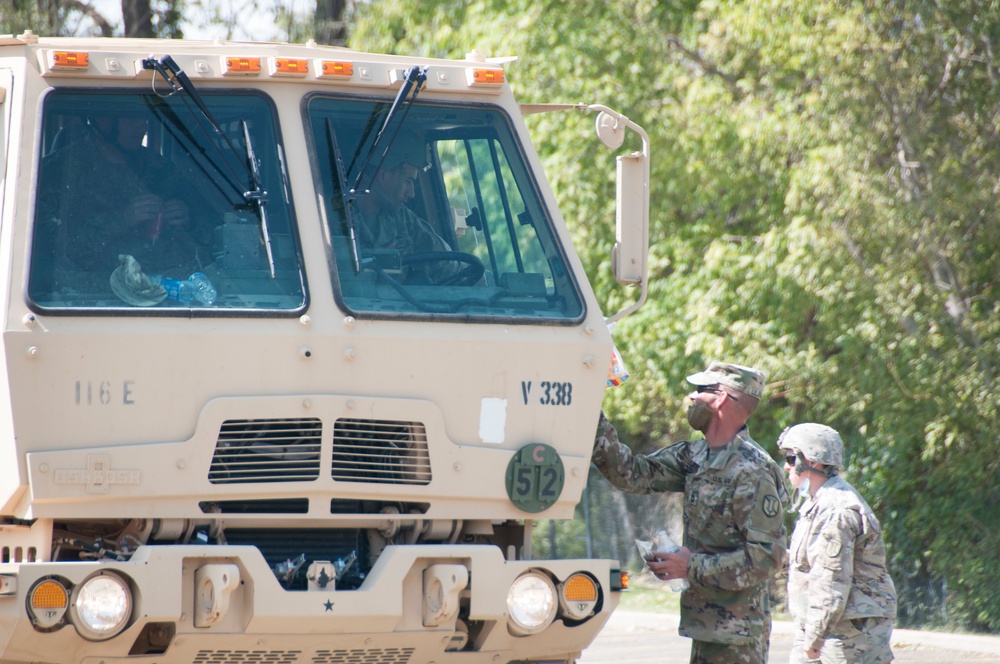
(652, 637)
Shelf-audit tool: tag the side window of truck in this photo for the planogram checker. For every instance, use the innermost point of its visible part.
(140, 206)
(436, 214)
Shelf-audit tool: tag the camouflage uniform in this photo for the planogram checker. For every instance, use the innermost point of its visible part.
(83, 190)
(403, 230)
(734, 503)
(839, 592)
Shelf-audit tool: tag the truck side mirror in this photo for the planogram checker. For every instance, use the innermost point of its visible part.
(628, 255)
(628, 258)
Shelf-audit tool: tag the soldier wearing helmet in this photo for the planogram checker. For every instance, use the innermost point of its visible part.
(840, 594)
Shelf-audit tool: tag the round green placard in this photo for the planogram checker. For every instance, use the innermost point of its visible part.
(535, 477)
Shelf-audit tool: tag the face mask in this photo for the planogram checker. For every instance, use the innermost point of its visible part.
(699, 414)
(804, 487)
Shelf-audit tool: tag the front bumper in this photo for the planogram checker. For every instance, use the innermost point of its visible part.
(382, 622)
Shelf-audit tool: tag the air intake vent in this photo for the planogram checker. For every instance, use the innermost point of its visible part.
(380, 452)
(372, 656)
(247, 656)
(284, 450)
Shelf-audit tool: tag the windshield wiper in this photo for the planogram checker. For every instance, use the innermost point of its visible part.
(414, 76)
(257, 196)
(337, 170)
(254, 196)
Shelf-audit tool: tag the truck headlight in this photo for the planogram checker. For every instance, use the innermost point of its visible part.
(102, 606)
(531, 604)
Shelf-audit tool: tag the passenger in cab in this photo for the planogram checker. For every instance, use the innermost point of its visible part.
(107, 193)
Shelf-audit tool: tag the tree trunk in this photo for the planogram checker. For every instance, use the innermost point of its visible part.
(330, 26)
(138, 17)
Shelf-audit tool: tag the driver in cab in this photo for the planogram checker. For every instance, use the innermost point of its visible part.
(383, 220)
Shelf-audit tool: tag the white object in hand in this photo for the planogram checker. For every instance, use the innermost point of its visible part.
(663, 544)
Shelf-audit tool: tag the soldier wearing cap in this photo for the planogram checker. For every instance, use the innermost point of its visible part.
(839, 591)
(734, 502)
(385, 222)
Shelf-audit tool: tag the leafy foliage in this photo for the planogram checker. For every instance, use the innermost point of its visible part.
(823, 206)
(78, 18)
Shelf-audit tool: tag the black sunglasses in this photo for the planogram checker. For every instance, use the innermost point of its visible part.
(790, 459)
(716, 390)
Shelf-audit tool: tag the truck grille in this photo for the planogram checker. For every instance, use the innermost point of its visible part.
(267, 450)
(288, 450)
(380, 452)
(282, 545)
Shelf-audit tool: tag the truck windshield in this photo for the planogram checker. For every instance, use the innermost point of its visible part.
(447, 221)
(136, 193)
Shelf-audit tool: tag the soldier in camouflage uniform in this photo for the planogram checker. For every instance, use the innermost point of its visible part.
(840, 594)
(734, 501)
(385, 222)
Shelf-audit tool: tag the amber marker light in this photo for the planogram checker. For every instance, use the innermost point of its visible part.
(580, 587)
(70, 60)
(487, 76)
(48, 601)
(337, 68)
(578, 596)
(49, 595)
(236, 65)
(291, 66)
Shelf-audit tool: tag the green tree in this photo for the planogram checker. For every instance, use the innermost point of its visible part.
(823, 207)
(63, 18)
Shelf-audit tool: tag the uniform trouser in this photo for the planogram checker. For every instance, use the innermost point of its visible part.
(854, 641)
(710, 652)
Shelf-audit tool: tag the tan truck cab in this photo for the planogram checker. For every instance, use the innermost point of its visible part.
(296, 346)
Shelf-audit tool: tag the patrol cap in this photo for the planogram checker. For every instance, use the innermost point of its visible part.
(745, 380)
(816, 442)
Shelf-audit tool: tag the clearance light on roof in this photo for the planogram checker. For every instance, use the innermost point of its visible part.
(240, 66)
(486, 76)
(72, 60)
(289, 67)
(336, 68)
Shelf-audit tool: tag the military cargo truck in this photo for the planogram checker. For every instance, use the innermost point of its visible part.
(296, 347)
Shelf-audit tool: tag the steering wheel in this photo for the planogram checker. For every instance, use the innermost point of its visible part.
(469, 275)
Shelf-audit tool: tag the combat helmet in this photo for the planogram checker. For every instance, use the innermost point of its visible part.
(816, 442)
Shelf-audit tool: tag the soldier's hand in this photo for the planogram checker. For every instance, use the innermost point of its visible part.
(666, 566)
(143, 208)
(175, 213)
